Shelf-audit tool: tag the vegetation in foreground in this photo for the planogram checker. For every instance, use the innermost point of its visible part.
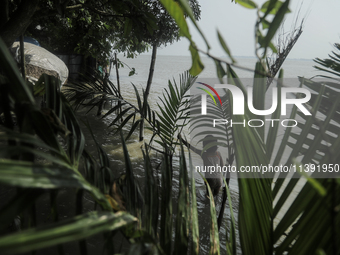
(41, 151)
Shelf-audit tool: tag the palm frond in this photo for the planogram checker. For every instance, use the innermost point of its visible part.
(255, 211)
(181, 243)
(330, 65)
(92, 91)
(200, 125)
(174, 110)
(40, 152)
(72, 229)
(316, 142)
(173, 114)
(313, 141)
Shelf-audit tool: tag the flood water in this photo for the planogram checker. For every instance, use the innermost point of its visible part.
(170, 67)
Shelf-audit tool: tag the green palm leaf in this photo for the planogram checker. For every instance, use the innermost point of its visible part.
(73, 229)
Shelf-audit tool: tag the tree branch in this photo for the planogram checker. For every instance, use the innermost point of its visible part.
(18, 22)
(77, 6)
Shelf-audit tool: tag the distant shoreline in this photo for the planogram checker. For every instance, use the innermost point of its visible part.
(237, 57)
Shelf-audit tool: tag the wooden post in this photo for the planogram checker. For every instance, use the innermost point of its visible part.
(22, 54)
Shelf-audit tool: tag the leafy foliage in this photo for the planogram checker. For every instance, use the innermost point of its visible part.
(73, 229)
(311, 142)
(330, 65)
(35, 159)
(92, 27)
(262, 200)
(94, 90)
(173, 114)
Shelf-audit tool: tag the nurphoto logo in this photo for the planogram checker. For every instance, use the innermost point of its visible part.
(238, 104)
(238, 99)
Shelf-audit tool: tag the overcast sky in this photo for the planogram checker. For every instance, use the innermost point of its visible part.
(236, 24)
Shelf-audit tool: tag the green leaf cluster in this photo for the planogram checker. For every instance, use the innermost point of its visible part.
(40, 150)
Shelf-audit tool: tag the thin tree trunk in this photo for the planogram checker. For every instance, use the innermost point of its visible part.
(147, 90)
(118, 84)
